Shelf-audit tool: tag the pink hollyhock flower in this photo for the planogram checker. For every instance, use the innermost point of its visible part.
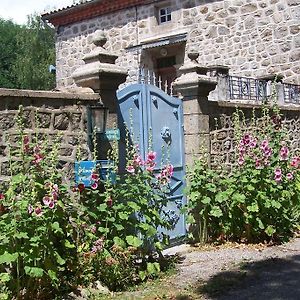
(246, 139)
(130, 169)
(278, 175)
(25, 140)
(55, 188)
(267, 152)
(2, 196)
(93, 229)
(95, 176)
(150, 168)
(46, 200)
(30, 209)
(37, 158)
(289, 176)
(38, 211)
(151, 156)
(54, 195)
(170, 170)
(242, 150)
(94, 186)
(284, 153)
(253, 143)
(51, 204)
(241, 160)
(258, 164)
(137, 161)
(264, 144)
(295, 162)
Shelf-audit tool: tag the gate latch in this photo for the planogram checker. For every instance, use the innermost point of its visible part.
(166, 134)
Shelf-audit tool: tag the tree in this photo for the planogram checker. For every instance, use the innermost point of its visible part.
(29, 51)
(8, 52)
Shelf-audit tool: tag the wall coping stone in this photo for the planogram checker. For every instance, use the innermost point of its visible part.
(66, 95)
(252, 104)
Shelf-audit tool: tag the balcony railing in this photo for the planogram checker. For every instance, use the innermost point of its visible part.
(291, 93)
(243, 88)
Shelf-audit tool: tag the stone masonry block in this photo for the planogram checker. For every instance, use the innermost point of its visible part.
(195, 124)
(191, 107)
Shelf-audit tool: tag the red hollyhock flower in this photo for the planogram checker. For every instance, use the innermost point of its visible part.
(81, 187)
(109, 202)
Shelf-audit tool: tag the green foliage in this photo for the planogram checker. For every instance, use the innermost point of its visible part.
(26, 53)
(35, 222)
(53, 239)
(8, 52)
(258, 200)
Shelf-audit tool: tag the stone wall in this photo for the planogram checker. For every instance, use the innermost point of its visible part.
(253, 38)
(47, 115)
(222, 133)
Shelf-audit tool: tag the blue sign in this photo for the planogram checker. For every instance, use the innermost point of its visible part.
(84, 170)
(111, 135)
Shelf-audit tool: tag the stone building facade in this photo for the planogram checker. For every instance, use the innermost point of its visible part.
(252, 38)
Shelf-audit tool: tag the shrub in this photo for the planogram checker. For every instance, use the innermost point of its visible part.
(258, 200)
(53, 239)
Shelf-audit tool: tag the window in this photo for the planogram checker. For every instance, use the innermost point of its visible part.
(166, 62)
(164, 15)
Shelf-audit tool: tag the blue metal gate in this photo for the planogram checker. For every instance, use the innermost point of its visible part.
(151, 115)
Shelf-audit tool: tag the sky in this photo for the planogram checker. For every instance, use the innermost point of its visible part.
(17, 10)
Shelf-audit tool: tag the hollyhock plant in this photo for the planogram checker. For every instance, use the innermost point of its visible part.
(38, 211)
(130, 169)
(278, 175)
(284, 153)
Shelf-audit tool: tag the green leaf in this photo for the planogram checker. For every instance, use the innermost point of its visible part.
(221, 197)
(52, 275)
(69, 245)
(239, 197)
(56, 228)
(250, 188)
(21, 235)
(34, 271)
(206, 200)
(158, 246)
(133, 241)
(59, 259)
(253, 208)
(119, 227)
(102, 207)
(270, 230)
(260, 223)
(123, 216)
(153, 268)
(190, 219)
(216, 212)
(142, 275)
(133, 205)
(119, 242)
(276, 204)
(8, 258)
(4, 277)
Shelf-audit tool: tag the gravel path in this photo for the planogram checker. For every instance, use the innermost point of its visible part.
(240, 271)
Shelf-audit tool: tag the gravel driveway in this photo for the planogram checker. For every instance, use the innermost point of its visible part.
(240, 271)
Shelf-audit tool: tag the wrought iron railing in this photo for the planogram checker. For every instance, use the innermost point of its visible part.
(291, 93)
(243, 88)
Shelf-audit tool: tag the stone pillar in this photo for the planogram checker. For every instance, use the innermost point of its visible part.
(100, 73)
(193, 86)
